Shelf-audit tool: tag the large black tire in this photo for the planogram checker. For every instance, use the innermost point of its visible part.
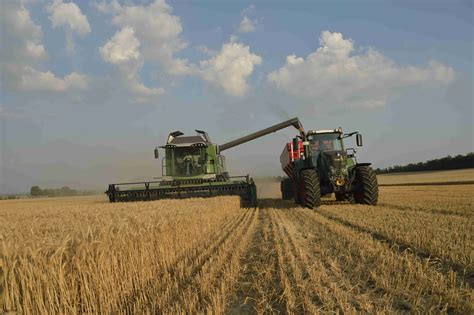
(286, 187)
(250, 200)
(309, 192)
(366, 188)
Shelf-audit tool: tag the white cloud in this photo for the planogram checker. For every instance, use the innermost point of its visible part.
(21, 37)
(22, 54)
(336, 76)
(158, 31)
(247, 25)
(157, 39)
(34, 80)
(205, 50)
(230, 68)
(123, 50)
(69, 17)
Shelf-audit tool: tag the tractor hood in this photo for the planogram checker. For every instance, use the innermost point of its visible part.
(331, 163)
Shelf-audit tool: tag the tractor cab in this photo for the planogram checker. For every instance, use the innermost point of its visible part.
(325, 140)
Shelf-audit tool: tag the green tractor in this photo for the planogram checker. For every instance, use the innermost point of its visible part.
(193, 166)
(318, 164)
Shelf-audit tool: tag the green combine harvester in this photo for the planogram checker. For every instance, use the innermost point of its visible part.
(194, 167)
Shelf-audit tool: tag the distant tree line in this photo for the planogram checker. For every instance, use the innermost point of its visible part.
(36, 191)
(446, 163)
(8, 197)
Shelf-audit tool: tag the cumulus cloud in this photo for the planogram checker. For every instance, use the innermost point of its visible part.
(230, 68)
(247, 25)
(152, 34)
(336, 75)
(21, 37)
(158, 31)
(34, 80)
(69, 17)
(22, 55)
(123, 50)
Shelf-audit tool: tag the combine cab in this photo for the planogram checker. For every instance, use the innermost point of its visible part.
(193, 167)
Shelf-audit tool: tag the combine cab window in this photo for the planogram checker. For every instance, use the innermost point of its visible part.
(326, 142)
(188, 161)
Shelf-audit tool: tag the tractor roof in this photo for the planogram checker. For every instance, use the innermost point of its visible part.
(314, 132)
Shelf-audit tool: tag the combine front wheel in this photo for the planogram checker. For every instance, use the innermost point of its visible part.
(250, 199)
(309, 193)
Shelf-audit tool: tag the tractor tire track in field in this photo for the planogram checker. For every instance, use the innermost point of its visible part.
(259, 286)
(465, 276)
(276, 258)
(425, 210)
(303, 261)
(410, 284)
(180, 268)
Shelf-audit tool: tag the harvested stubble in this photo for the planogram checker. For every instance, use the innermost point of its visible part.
(456, 199)
(167, 256)
(446, 238)
(462, 175)
(210, 256)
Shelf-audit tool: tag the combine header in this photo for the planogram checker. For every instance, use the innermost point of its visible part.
(194, 167)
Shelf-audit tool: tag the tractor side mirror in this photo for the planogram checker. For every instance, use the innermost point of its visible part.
(157, 155)
(359, 140)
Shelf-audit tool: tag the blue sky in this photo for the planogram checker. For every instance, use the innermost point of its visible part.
(89, 88)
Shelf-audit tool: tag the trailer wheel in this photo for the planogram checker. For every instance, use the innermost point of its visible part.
(366, 188)
(309, 192)
(286, 187)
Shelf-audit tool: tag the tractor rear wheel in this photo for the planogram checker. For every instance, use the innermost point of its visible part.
(309, 192)
(286, 187)
(366, 187)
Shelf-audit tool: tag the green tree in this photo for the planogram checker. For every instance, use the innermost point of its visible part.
(36, 191)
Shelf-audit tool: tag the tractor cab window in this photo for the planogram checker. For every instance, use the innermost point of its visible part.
(188, 161)
(325, 142)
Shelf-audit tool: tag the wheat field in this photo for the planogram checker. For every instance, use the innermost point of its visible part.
(412, 253)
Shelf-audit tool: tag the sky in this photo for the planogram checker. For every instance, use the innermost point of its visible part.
(89, 88)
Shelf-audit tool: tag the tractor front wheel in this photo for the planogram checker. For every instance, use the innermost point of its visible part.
(366, 188)
(309, 192)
